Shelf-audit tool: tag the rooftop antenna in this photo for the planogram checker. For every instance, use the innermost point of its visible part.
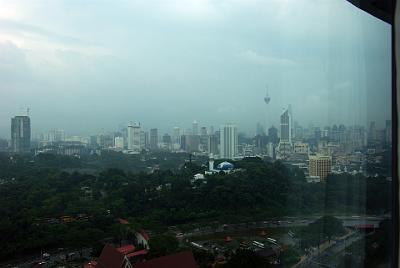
(28, 110)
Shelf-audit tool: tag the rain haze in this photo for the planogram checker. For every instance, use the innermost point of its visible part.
(87, 66)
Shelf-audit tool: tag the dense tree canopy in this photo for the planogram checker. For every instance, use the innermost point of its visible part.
(43, 206)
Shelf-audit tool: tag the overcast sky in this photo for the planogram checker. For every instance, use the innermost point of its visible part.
(88, 66)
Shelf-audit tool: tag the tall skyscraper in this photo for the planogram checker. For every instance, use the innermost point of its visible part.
(203, 131)
(286, 135)
(153, 139)
(195, 128)
(273, 135)
(213, 144)
(229, 141)
(21, 134)
(146, 140)
(134, 143)
(211, 130)
(285, 142)
(176, 135)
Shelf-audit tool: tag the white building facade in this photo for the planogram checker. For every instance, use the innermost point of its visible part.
(229, 141)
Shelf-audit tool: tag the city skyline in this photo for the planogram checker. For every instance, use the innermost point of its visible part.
(170, 62)
(54, 132)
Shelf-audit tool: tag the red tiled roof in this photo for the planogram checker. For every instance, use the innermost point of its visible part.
(110, 258)
(137, 253)
(180, 260)
(126, 249)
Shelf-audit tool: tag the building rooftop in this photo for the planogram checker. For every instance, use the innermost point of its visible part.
(183, 259)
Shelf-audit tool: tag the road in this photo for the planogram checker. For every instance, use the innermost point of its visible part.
(329, 255)
(348, 221)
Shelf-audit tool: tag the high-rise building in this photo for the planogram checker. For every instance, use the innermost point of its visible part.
(142, 139)
(119, 143)
(229, 141)
(21, 134)
(213, 144)
(166, 139)
(320, 166)
(146, 140)
(105, 141)
(176, 135)
(273, 135)
(56, 135)
(153, 139)
(203, 131)
(192, 143)
(183, 142)
(195, 128)
(260, 129)
(211, 130)
(286, 135)
(285, 142)
(134, 143)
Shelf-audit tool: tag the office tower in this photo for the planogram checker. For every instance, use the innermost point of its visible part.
(260, 143)
(273, 135)
(326, 132)
(342, 134)
(203, 131)
(229, 141)
(320, 166)
(260, 130)
(183, 143)
(335, 133)
(105, 141)
(176, 135)
(134, 137)
(21, 134)
(166, 139)
(3, 145)
(153, 139)
(317, 133)
(146, 140)
(285, 142)
(286, 135)
(93, 141)
(195, 128)
(56, 135)
(213, 144)
(193, 143)
(211, 130)
(119, 143)
(142, 140)
(271, 150)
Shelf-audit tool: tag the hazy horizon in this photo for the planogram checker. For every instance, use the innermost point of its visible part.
(92, 66)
